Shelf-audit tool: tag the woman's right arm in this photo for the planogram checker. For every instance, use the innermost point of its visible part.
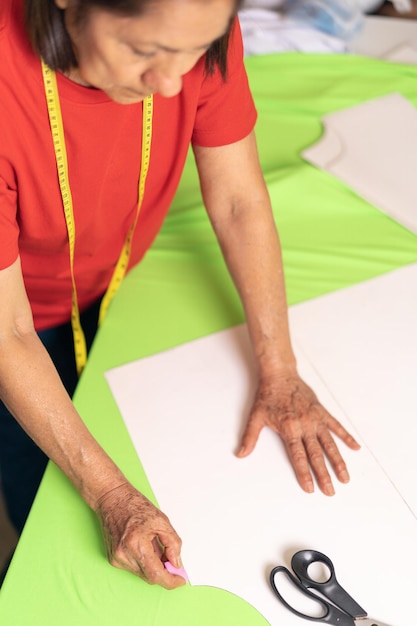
(31, 389)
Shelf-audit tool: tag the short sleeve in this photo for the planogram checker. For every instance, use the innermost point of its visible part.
(226, 112)
(9, 229)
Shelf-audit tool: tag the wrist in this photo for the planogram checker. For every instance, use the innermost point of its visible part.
(273, 370)
(276, 367)
(98, 478)
(272, 349)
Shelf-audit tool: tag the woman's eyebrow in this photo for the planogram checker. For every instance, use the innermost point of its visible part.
(176, 50)
(168, 49)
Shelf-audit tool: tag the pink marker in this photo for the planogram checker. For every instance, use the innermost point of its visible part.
(177, 571)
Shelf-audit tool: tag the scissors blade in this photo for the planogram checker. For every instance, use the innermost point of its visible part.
(368, 621)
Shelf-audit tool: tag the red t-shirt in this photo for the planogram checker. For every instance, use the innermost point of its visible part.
(103, 142)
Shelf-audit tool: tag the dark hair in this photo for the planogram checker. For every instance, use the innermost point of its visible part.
(45, 25)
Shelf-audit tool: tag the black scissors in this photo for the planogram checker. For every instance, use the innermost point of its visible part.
(342, 610)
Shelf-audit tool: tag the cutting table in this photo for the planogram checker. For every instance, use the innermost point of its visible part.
(332, 239)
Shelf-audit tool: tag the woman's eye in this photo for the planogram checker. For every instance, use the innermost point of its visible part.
(143, 53)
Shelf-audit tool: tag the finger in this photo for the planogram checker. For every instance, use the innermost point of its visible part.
(156, 573)
(250, 436)
(316, 459)
(149, 567)
(129, 564)
(337, 428)
(172, 547)
(127, 558)
(331, 451)
(165, 545)
(158, 547)
(299, 461)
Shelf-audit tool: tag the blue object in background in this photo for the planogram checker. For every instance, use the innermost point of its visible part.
(339, 18)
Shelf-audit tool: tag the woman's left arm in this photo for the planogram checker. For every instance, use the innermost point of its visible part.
(239, 208)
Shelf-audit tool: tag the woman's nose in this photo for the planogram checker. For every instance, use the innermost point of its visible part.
(165, 78)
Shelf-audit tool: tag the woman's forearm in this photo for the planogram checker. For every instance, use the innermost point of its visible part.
(32, 391)
(251, 248)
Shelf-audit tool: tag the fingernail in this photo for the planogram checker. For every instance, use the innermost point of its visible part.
(344, 477)
(309, 487)
(329, 489)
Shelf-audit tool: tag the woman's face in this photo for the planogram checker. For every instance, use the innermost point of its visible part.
(131, 57)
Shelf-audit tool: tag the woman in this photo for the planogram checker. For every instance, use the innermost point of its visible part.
(123, 88)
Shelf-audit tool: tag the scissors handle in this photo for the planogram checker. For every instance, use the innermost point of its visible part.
(330, 588)
(331, 615)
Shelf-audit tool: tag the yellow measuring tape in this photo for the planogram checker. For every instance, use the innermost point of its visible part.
(58, 137)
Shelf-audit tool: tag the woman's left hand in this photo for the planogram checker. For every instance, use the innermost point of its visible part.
(290, 407)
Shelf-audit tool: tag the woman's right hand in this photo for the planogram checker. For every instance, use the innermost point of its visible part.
(138, 536)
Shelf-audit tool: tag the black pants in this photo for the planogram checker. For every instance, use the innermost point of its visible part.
(22, 463)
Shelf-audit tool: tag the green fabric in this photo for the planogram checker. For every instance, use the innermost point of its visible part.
(331, 238)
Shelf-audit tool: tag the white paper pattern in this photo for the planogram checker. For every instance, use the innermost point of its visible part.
(185, 410)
